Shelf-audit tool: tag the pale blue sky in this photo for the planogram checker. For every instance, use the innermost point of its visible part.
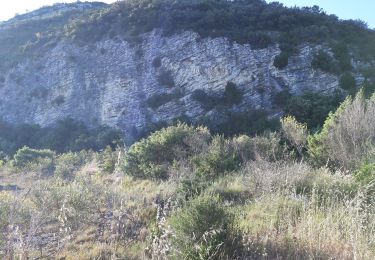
(344, 9)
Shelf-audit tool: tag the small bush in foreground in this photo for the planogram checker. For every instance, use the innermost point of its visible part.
(202, 230)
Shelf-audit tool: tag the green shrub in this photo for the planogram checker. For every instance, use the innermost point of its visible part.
(191, 188)
(282, 98)
(27, 155)
(281, 60)
(347, 82)
(156, 62)
(295, 133)
(108, 160)
(312, 108)
(324, 62)
(261, 147)
(66, 135)
(346, 139)
(325, 185)
(202, 97)
(59, 100)
(365, 174)
(68, 164)
(231, 94)
(341, 53)
(207, 101)
(249, 122)
(202, 230)
(220, 157)
(151, 157)
(165, 79)
(317, 146)
(368, 88)
(158, 100)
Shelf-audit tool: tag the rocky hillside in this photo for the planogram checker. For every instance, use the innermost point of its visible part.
(136, 65)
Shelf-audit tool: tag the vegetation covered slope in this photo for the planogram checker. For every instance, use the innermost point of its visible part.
(254, 22)
(183, 193)
(23, 32)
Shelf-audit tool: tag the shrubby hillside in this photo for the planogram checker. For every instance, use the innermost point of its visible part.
(186, 193)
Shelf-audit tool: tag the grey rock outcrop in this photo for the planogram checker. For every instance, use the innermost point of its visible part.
(112, 81)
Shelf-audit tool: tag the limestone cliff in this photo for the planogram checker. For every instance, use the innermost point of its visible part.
(109, 82)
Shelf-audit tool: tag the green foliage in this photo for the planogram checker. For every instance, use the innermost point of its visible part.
(59, 100)
(325, 185)
(67, 164)
(317, 148)
(151, 157)
(281, 60)
(254, 22)
(324, 62)
(202, 230)
(221, 157)
(158, 100)
(22, 36)
(282, 98)
(156, 62)
(348, 83)
(266, 147)
(231, 94)
(249, 122)
(295, 133)
(310, 108)
(27, 155)
(66, 135)
(368, 88)
(341, 53)
(165, 79)
(108, 160)
(365, 175)
(346, 139)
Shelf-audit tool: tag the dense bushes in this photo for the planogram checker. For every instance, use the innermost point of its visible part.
(165, 79)
(158, 100)
(231, 94)
(220, 157)
(295, 132)
(242, 21)
(202, 230)
(341, 53)
(324, 62)
(248, 122)
(348, 83)
(66, 135)
(196, 155)
(310, 108)
(151, 157)
(281, 60)
(190, 195)
(347, 136)
(26, 155)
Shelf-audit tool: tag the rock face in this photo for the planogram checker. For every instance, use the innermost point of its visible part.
(129, 85)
